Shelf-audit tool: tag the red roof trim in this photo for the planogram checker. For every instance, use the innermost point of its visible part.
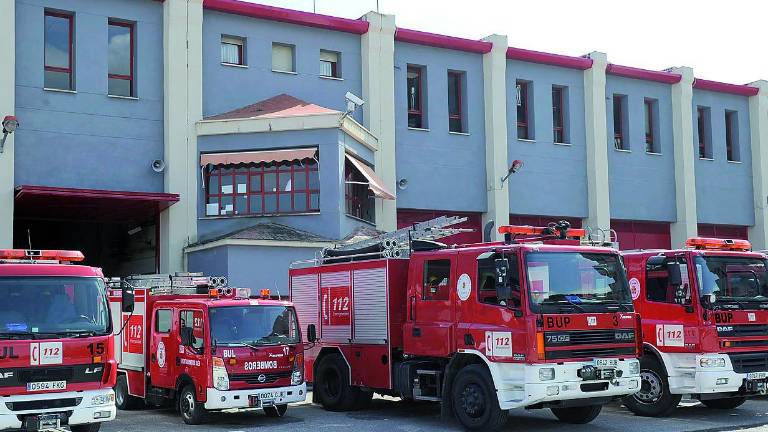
(720, 87)
(581, 63)
(95, 193)
(288, 15)
(442, 41)
(643, 74)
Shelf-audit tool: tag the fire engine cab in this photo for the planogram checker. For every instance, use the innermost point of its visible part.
(192, 342)
(57, 364)
(705, 319)
(535, 322)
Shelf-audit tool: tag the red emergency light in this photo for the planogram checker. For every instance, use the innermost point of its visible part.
(532, 230)
(40, 255)
(706, 243)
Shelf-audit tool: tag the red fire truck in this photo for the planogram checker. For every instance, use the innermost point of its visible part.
(540, 322)
(193, 342)
(705, 320)
(57, 363)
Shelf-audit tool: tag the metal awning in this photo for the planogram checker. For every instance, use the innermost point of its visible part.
(257, 156)
(56, 203)
(375, 184)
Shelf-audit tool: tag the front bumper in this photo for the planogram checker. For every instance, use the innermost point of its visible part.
(236, 399)
(519, 385)
(82, 413)
(686, 376)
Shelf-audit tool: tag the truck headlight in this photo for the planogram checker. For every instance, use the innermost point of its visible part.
(105, 399)
(220, 375)
(634, 367)
(546, 374)
(712, 362)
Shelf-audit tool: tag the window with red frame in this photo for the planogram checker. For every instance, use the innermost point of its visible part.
(455, 108)
(731, 136)
(558, 114)
(263, 189)
(523, 110)
(360, 203)
(59, 50)
(415, 95)
(620, 141)
(121, 58)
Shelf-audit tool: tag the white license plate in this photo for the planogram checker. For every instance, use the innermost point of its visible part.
(757, 375)
(48, 385)
(50, 421)
(606, 363)
(271, 395)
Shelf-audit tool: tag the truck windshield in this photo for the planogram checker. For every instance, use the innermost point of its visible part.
(254, 325)
(40, 307)
(735, 281)
(566, 281)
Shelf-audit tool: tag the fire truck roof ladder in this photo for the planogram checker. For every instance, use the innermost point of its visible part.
(175, 284)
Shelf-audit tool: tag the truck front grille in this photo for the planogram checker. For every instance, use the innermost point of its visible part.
(589, 353)
(741, 330)
(43, 404)
(581, 343)
(254, 378)
(749, 362)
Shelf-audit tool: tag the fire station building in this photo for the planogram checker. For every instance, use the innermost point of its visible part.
(229, 137)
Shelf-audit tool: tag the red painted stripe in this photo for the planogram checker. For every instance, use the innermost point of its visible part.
(287, 15)
(720, 87)
(581, 63)
(442, 41)
(643, 74)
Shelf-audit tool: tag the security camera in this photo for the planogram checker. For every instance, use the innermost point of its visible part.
(353, 102)
(158, 165)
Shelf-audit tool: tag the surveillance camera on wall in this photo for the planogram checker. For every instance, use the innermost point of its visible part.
(353, 102)
(158, 165)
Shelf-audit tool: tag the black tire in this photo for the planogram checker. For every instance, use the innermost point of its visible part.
(91, 427)
(192, 411)
(123, 400)
(276, 411)
(332, 384)
(474, 400)
(577, 415)
(725, 403)
(654, 398)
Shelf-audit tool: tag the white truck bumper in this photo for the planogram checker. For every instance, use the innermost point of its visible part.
(95, 406)
(235, 399)
(519, 385)
(687, 376)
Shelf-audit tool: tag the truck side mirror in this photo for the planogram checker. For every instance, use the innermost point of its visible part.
(187, 338)
(503, 290)
(674, 275)
(311, 333)
(128, 299)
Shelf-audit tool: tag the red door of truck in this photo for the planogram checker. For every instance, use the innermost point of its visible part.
(163, 347)
(430, 326)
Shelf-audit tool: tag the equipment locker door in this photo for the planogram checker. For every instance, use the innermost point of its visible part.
(430, 325)
(162, 349)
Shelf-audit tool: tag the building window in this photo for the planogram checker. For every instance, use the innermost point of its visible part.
(121, 58)
(416, 97)
(59, 50)
(456, 110)
(704, 131)
(330, 64)
(233, 50)
(732, 136)
(263, 188)
(620, 141)
(283, 57)
(524, 112)
(360, 203)
(651, 126)
(559, 110)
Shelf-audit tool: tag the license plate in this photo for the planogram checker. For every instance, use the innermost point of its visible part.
(607, 363)
(49, 421)
(47, 385)
(271, 395)
(757, 375)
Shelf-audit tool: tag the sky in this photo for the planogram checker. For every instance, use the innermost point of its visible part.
(717, 38)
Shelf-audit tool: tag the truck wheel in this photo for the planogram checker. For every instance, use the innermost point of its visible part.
(332, 384)
(276, 411)
(192, 411)
(724, 403)
(123, 400)
(474, 400)
(92, 427)
(654, 398)
(577, 415)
